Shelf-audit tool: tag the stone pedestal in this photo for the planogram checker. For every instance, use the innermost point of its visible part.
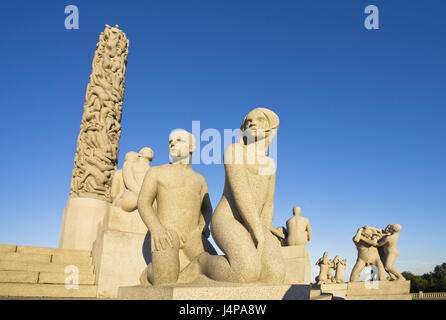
(298, 268)
(220, 291)
(118, 253)
(80, 223)
(337, 290)
(379, 290)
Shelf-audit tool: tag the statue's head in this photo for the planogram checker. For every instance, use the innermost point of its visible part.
(181, 144)
(146, 153)
(367, 232)
(259, 124)
(393, 228)
(296, 211)
(325, 254)
(131, 156)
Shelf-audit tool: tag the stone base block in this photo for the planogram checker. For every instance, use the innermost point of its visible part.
(337, 290)
(379, 290)
(81, 221)
(119, 261)
(297, 261)
(120, 220)
(225, 291)
(389, 297)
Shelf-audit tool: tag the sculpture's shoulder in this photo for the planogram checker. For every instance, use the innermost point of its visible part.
(304, 219)
(156, 170)
(232, 152)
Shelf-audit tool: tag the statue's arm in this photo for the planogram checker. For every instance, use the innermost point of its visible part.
(383, 241)
(146, 198)
(308, 231)
(241, 190)
(206, 210)
(267, 213)
(128, 177)
(357, 237)
(370, 242)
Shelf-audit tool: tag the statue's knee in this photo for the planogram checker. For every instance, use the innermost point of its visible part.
(247, 271)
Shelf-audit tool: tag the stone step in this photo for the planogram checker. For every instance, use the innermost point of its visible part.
(77, 260)
(7, 248)
(314, 293)
(41, 267)
(322, 297)
(53, 251)
(43, 277)
(45, 290)
(381, 297)
(25, 257)
(19, 276)
(60, 278)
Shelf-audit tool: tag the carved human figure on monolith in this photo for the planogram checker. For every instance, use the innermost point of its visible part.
(366, 241)
(179, 228)
(323, 263)
(242, 222)
(298, 229)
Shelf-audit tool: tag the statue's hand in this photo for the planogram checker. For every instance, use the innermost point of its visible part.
(161, 239)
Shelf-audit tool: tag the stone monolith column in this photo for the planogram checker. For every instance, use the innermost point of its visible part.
(98, 143)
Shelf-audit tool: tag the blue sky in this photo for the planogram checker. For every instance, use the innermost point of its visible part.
(361, 139)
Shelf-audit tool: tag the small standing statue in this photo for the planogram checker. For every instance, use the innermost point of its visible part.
(323, 263)
(331, 266)
(340, 266)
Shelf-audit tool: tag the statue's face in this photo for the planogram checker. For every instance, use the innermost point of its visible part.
(255, 125)
(179, 144)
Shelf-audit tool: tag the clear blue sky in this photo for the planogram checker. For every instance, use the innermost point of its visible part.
(362, 133)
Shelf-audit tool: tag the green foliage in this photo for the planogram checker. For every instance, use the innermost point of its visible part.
(429, 282)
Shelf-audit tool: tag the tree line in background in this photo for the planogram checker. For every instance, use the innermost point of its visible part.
(429, 282)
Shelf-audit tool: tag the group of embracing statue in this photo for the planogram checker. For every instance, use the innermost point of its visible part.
(174, 203)
(377, 247)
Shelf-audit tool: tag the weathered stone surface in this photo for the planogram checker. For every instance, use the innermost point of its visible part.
(52, 251)
(297, 264)
(60, 278)
(381, 288)
(381, 297)
(7, 248)
(292, 252)
(119, 261)
(25, 257)
(119, 220)
(81, 221)
(224, 291)
(44, 290)
(337, 290)
(19, 276)
(76, 260)
(23, 266)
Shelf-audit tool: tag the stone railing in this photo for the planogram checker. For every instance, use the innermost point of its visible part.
(429, 296)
